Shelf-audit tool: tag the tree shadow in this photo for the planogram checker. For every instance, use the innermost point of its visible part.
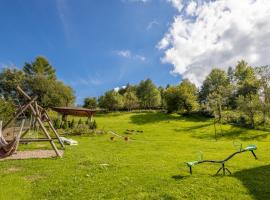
(186, 129)
(257, 181)
(178, 177)
(233, 133)
(148, 118)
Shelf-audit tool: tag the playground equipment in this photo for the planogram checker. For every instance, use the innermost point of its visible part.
(249, 148)
(40, 117)
(117, 135)
(8, 148)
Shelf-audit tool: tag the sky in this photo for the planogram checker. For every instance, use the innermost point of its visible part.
(97, 45)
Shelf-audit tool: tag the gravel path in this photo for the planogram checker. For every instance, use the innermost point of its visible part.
(19, 155)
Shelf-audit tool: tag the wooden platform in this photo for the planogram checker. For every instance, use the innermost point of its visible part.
(21, 155)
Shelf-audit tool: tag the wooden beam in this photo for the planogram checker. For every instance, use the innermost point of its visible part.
(35, 140)
(53, 129)
(19, 112)
(45, 131)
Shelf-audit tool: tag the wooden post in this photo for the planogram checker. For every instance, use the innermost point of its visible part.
(19, 112)
(45, 131)
(46, 115)
(53, 129)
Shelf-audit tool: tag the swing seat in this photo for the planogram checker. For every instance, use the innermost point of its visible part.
(9, 148)
(250, 147)
(191, 163)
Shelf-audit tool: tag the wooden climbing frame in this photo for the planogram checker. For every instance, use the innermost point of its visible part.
(41, 117)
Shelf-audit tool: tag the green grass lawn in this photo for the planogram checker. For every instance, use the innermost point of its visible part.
(150, 166)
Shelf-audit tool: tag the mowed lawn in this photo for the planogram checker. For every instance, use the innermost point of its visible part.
(149, 166)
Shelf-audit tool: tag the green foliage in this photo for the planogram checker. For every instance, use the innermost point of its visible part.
(182, 97)
(90, 103)
(40, 67)
(65, 125)
(148, 94)
(36, 78)
(111, 100)
(93, 125)
(80, 122)
(130, 100)
(57, 123)
(72, 124)
(250, 105)
(216, 82)
(246, 80)
(6, 110)
(9, 79)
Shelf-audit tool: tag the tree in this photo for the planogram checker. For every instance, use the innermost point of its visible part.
(246, 80)
(111, 100)
(263, 73)
(182, 97)
(148, 94)
(130, 100)
(50, 92)
(90, 102)
(250, 105)
(6, 109)
(215, 91)
(172, 98)
(189, 96)
(214, 81)
(9, 79)
(162, 97)
(40, 67)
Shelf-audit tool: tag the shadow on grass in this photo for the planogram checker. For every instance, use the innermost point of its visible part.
(148, 118)
(257, 181)
(232, 133)
(192, 127)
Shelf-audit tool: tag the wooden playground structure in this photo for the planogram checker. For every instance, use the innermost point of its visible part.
(39, 118)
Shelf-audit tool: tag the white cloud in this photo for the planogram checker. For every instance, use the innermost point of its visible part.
(217, 34)
(177, 4)
(143, 1)
(129, 54)
(124, 53)
(151, 24)
(118, 88)
(139, 57)
(191, 8)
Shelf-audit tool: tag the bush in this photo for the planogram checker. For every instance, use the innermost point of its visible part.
(6, 110)
(65, 125)
(80, 123)
(93, 125)
(72, 124)
(57, 123)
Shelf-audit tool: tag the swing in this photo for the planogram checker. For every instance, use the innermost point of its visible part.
(9, 148)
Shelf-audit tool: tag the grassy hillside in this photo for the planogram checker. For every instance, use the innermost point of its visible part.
(150, 166)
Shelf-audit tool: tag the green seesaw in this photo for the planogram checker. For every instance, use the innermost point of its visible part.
(249, 148)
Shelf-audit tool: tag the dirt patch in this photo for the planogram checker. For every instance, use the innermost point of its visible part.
(33, 178)
(14, 169)
(33, 154)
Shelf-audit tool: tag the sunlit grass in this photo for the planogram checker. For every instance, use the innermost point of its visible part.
(149, 166)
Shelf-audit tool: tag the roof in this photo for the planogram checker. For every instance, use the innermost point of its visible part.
(75, 111)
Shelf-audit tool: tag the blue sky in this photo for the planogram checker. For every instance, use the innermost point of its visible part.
(95, 45)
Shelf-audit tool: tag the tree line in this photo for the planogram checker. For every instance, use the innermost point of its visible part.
(240, 95)
(36, 78)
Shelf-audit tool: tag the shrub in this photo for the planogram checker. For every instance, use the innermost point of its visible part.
(72, 124)
(93, 125)
(6, 109)
(79, 122)
(57, 123)
(65, 125)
